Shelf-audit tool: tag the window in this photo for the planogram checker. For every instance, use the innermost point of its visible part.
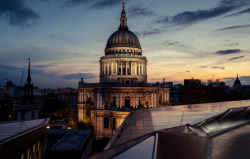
(106, 122)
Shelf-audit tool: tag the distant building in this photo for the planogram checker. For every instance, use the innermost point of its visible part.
(192, 82)
(237, 82)
(123, 83)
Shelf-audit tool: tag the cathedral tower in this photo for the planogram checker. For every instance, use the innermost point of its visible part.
(123, 61)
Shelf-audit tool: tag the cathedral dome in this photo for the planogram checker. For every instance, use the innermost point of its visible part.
(123, 41)
(123, 38)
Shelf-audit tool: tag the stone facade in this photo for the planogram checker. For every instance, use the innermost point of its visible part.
(123, 83)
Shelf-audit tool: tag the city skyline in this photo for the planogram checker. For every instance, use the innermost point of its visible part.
(181, 40)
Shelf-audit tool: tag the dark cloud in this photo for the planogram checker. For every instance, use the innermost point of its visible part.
(216, 67)
(235, 58)
(239, 13)
(79, 75)
(238, 3)
(191, 17)
(105, 4)
(187, 71)
(234, 27)
(148, 33)
(41, 66)
(203, 67)
(139, 11)
(170, 43)
(230, 51)
(17, 13)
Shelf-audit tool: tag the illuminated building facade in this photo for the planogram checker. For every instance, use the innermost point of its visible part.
(123, 83)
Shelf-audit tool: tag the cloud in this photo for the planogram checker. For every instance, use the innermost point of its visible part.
(79, 75)
(216, 67)
(17, 13)
(230, 51)
(234, 27)
(148, 33)
(203, 67)
(170, 43)
(235, 58)
(40, 77)
(191, 17)
(138, 11)
(40, 66)
(105, 4)
(187, 71)
(238, 13)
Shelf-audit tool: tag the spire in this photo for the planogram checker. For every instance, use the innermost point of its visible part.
(28, 77)
(237, 77)
(123, 19)
(28, 89)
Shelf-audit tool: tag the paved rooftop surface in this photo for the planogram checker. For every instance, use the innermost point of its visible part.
(12, 129)
(72, 142)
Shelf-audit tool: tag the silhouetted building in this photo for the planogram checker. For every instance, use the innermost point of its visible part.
(192, 82)
(28, 110)
(237, 82)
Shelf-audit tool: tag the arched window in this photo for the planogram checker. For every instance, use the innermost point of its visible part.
(106, 122)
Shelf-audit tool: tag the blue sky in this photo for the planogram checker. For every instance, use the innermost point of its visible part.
(181, 39)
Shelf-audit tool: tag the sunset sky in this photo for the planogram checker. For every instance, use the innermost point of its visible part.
(181, 39)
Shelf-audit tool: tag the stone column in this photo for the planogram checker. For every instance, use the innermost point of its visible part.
(165, 96)
(136, 68)
(139, 69)
(104, 69)
(108, 69)
(116, 72)
(152, 99)
(100, 102)
(121, 69)
(155, 100)
(126, 68)
(142, 69)
(167, 102)
(112, 69)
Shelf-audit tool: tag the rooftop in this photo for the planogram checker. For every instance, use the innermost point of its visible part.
(144, 121)
(13, 129)
(73, 141)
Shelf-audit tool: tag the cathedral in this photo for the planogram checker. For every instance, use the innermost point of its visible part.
(123, 83)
